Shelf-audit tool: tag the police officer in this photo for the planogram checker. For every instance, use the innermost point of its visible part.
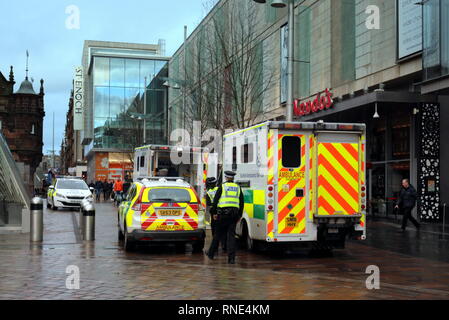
(227, 209)
(211, 190)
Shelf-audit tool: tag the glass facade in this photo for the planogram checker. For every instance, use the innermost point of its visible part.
(121, 109)
(436, 39)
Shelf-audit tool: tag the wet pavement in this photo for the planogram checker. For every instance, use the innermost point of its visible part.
(412, 266)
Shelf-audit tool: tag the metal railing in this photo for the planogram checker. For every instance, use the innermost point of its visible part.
(13, 193)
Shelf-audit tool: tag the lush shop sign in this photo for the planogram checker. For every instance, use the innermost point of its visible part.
(323, 101)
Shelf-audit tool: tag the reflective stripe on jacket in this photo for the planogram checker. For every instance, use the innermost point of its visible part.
(211, 193)
(230, 196)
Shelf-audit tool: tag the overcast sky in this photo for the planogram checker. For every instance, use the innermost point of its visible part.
(40, 27)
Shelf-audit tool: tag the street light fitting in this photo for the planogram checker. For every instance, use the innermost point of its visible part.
(278, 4)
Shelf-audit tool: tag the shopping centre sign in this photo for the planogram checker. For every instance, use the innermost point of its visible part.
(78, 99)
(323, 101)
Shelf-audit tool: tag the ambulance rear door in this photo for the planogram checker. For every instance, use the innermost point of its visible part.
(292, 189)
(339, 173)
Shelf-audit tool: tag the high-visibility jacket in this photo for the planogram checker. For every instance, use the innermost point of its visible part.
(211, 193)
(230, 197)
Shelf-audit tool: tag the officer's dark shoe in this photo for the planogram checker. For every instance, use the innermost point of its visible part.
(211, 257)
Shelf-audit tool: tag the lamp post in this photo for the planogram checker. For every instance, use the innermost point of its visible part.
(290, 58)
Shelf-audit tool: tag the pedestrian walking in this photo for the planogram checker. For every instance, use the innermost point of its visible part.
(118, 190)
(110, 188)
(105, 189)
(406, 202)
(126, 185)
(98, 189)
(227, 209)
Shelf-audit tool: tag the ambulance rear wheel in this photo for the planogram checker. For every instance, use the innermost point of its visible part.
(248, 241)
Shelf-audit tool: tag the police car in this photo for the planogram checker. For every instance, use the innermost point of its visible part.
(161, 210)
(68, 192)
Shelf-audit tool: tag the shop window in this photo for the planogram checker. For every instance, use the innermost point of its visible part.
(33, 129)
(0, 124)
(291, 152)
(142, 161)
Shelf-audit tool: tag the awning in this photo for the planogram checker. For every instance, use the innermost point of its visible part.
(371, 98)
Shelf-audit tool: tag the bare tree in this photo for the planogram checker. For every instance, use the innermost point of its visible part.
(236, 43)
(224, 71)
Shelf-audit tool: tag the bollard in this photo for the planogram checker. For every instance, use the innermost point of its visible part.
(37, 220)
(83, 204)
(89, 222)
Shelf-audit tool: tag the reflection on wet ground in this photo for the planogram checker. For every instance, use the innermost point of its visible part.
(412, 266)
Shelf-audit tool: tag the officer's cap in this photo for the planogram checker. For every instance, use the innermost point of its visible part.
(230, 174)
(211, 180)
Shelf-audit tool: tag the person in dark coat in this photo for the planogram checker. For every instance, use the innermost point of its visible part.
(98, 189)
(105, 190)
(406, 203)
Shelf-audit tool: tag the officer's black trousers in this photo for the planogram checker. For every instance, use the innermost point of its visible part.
(225, 229)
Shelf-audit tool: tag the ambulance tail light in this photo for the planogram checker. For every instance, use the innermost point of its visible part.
(270, 198)
(363, 197)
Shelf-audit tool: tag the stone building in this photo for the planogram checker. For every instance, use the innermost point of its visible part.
(393, 77)
(68, 145)
(21, 123)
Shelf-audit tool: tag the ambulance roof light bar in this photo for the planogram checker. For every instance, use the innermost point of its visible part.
(320, 125)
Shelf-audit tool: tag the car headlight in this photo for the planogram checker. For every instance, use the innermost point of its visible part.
(89, 197)
(60, 195)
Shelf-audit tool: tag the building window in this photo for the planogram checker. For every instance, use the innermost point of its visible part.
(436, 39)
(1, 125)
(33, 129)
(118, 100)
(302, 52)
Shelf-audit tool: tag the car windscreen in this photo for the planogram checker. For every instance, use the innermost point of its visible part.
(169, 195)
(72, 185)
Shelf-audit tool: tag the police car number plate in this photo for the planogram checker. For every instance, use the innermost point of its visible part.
(169, 212)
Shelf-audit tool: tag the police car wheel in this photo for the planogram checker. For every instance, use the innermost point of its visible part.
(180, 247)
(129, 244)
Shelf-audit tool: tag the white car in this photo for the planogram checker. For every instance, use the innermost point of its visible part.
(68, 193)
